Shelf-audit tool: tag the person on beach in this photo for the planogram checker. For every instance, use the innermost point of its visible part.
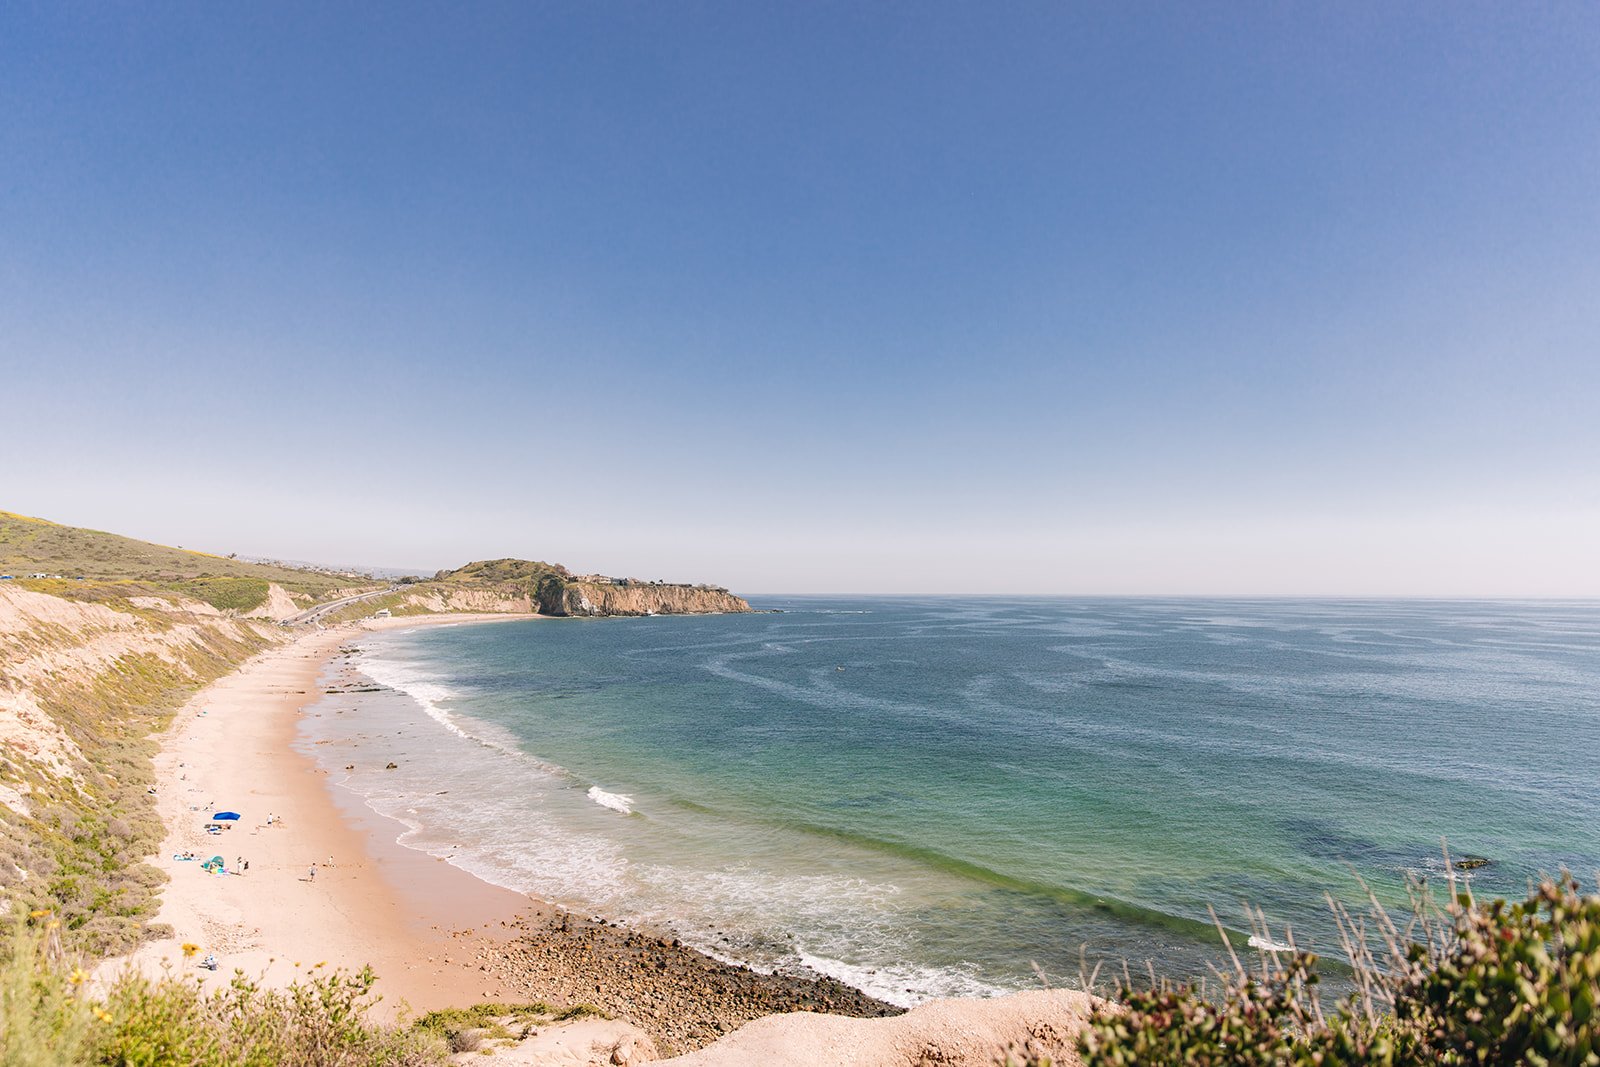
(313, 877)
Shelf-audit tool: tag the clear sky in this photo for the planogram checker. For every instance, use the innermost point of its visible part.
(1058, 298)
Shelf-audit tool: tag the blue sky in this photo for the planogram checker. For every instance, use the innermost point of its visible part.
(898, 297)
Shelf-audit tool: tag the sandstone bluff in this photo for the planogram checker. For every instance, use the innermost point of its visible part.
(551, 589)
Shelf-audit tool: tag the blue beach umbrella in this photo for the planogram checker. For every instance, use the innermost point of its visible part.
(225, 816)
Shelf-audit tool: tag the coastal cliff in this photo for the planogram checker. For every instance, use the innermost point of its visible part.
(83, 684)
(621, 596)
(433, 598)
(551, 589)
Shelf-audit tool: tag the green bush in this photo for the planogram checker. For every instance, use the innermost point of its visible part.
(1503, 984)
(466, 1029)
(1519, 987)
(43, 1022)
(47, 1020)
(227, 594)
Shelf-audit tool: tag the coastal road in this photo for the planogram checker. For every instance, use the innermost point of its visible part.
(307, 617)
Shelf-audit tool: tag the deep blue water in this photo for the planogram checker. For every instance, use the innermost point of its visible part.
(932, 795)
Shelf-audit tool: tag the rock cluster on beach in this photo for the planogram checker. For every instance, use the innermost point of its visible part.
(683, 998)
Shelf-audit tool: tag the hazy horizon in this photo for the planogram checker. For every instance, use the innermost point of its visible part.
(1041, 299)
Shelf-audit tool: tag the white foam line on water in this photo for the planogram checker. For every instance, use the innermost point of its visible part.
(551, 864)
(513, 842)
(615, 801)
(1269, 945)
(832, 915)
(424, 688)
(902, 986)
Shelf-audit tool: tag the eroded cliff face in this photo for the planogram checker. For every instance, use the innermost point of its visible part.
(83, 684)
(635, 598)
(61, 662)
(443, 599)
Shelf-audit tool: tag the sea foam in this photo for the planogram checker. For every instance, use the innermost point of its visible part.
(903, 986)
(425, 689)
(1266, 944)
(614, 801)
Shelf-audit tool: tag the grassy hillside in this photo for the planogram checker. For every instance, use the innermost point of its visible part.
(498, 571)
(30, 546)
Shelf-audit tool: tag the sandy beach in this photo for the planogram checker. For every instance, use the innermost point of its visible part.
(370, 901)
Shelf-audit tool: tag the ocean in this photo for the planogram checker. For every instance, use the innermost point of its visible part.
(956, 796)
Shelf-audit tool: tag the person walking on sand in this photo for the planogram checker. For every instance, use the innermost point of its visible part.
(313, 877)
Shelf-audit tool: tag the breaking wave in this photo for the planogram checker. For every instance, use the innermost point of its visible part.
(614, 801)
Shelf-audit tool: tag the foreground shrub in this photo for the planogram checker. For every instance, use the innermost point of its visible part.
(43, 1021)
(1519, 986)
(1470, 984)
(471, 1029)
(47, 1021)
(323, 1020)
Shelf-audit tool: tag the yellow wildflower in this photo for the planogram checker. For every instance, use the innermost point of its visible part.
(41, 913)
(189, 949)
(78, 976)
(103, 1015)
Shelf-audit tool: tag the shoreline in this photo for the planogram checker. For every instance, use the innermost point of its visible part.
(233, 746)
(436, 935)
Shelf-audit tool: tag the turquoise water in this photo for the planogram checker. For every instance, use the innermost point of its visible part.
(933, 796)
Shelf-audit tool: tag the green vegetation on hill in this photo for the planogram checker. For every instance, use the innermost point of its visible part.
(32, 546)
(498, 571)
(227, 594)
(540, 582)
(104, 567)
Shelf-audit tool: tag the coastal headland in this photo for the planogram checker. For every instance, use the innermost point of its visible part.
(532, 587)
